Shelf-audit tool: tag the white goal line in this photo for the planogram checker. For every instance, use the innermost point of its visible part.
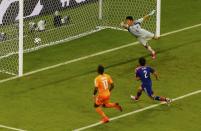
(11, 128)
(137, 111)
(95, 54)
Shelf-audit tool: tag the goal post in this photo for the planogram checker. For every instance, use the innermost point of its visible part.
(29, 25)
(21, 32)
(158, 18)
(100, 14)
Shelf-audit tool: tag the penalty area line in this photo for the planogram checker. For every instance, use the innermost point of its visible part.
(137, 111)
(95, 54)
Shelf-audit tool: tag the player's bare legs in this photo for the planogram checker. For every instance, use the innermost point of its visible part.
(156, 37)
(113, 105)
(153, 53)
(161, 98)
(158, 98)
(105, 119)
(98, 109)
(139, 93)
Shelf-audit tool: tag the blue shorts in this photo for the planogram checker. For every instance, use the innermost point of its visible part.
(148, 89)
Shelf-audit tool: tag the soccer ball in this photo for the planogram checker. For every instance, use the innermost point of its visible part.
(37, 40)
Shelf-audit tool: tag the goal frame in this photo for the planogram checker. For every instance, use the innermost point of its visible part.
(100, 16)
(158, 18)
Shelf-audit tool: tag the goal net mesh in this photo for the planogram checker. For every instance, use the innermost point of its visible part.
(51, 22)
(116, 11)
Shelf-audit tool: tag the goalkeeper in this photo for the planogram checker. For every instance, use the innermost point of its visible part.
(143, 36)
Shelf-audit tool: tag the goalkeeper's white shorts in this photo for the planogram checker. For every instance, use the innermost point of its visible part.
(145, 37)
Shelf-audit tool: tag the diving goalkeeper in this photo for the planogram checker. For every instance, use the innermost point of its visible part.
(142, 35)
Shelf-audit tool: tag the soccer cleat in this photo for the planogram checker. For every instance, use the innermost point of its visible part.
(134, 98)
(105, 120)
(118, 107)
(168, 100)
(153, 55)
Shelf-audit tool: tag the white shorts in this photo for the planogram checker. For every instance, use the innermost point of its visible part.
(145, 37)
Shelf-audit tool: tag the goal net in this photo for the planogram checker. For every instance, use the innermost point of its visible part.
(116, 11)
(51, 22)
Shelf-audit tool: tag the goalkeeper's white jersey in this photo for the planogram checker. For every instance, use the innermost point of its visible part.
(136, 29)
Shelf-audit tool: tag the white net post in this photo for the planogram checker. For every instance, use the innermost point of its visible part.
(20, 53)
(158, 18)
(100, 15)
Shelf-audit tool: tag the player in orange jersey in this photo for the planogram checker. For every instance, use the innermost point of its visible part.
(103, 87)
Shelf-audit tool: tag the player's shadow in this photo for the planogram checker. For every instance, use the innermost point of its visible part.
(71, 77)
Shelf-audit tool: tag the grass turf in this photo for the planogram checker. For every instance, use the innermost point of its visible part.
(60, 99)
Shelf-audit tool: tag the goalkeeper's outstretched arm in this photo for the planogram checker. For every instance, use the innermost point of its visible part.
(129, 20)
(148, 15)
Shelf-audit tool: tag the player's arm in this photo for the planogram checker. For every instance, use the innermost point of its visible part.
(154, 73)
(148, 15)
(137, 78)
(95, 88)
(95, 91)
(111, 83)
(111, 87)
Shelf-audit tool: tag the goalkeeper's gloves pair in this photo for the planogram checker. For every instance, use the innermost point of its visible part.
(152, 13)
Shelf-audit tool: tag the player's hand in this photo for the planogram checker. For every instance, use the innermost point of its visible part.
(157, 78)
(122, 24)
(152, 13)
(94, 97)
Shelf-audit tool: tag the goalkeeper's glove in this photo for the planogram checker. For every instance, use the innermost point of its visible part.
(152, 13)
(122, 24)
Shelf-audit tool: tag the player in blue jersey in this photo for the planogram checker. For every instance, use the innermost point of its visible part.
(143, 73)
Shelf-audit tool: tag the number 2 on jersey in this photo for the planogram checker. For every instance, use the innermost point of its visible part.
(145, 74)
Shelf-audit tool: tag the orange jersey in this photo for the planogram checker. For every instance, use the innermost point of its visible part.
(102, 82)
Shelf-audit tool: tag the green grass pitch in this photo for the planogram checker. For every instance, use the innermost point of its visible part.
(60, 99)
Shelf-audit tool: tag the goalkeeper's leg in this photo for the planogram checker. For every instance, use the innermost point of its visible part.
(155, 37)
(144, 42)
(153, 53)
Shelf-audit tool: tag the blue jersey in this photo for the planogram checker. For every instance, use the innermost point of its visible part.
(144, 73)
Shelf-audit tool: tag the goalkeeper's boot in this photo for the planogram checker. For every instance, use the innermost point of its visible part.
(156, 38)
(168, 101)
(105, 119)
(134, 98)
(153, 55)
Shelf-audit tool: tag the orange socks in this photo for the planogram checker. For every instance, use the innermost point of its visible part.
(100, 112)
(113, 105)
(110, 105)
